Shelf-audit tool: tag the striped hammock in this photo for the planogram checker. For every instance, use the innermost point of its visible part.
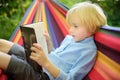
(52, 13)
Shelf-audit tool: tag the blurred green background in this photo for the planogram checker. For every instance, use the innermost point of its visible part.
(111, 9)
(12, 11)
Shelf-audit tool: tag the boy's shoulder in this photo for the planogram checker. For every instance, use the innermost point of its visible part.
(67, 39)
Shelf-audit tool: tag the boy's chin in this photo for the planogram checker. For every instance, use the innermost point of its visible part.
(76, 40)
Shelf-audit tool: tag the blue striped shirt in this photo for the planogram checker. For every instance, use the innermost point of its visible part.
(74, 59)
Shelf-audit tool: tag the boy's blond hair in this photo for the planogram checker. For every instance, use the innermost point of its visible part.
(90, 15)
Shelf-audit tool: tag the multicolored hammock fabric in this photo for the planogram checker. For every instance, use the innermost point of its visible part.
(52, 13)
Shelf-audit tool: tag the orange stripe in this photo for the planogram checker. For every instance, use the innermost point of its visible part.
(17, 37)
(107, 68)
(29, 14)
(114, 66)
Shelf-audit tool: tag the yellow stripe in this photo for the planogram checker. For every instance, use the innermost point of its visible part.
(44, 16)
(38, 14)
(29, 14)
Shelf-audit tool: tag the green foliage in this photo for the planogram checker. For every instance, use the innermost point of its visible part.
(111, 9)
(11, 13)
(69, 3)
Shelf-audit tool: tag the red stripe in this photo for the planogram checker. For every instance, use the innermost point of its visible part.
(94, 75)
(20, 42)
(0, 71)
(2, 75)
(108, 40)
(60, 9)
(60, 23)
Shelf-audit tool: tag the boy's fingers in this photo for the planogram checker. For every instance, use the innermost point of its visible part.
(34, 49)
(37, 46)
(33, 58)
(46, 34)
(33, 54)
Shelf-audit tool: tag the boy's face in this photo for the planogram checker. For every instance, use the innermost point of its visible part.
(78, 31)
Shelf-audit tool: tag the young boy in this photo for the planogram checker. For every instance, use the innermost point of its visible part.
(71, 61)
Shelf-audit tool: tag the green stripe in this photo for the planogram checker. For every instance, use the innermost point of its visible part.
(110, 32)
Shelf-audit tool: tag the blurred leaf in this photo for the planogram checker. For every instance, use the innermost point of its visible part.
(11, 13)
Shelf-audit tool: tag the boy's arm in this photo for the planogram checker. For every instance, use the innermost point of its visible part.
(52, 69)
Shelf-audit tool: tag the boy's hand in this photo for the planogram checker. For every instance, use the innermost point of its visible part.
(38, 55)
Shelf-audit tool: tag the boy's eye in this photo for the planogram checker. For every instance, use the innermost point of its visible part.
(75, 26)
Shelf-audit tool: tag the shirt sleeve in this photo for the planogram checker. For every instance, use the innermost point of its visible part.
(81, 67)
